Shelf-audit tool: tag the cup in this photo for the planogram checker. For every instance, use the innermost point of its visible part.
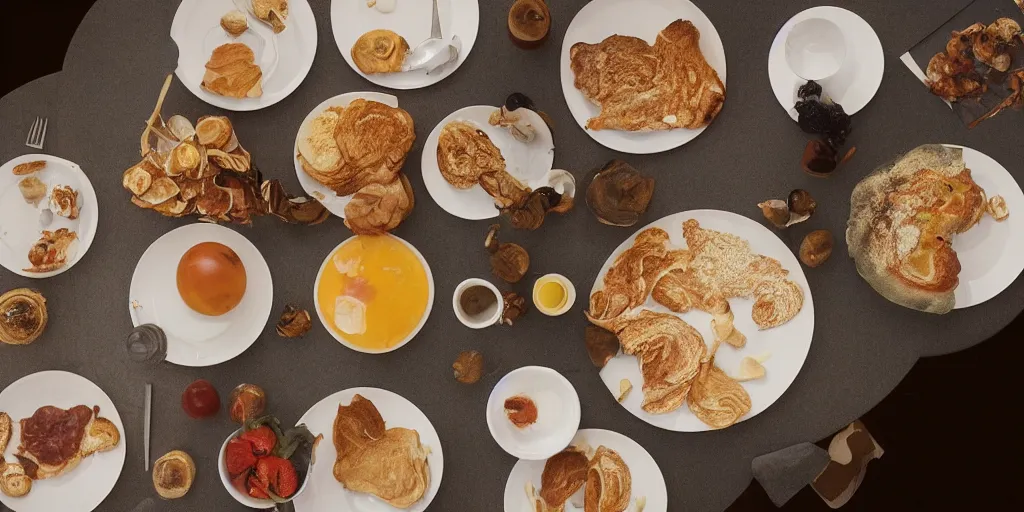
(473, 307)
(815, 49)
(553, 294)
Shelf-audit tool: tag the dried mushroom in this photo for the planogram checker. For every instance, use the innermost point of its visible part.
(515, 307)
(618, 194)
(602, 345)
(295, 322)
(469, 367)
(23, 316)
(816, 247)
(203, 170)
(797, 208)
(509, 262)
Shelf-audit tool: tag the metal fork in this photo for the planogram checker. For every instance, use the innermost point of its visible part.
(37, 134)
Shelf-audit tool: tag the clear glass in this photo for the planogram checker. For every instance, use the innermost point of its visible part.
(147, 343)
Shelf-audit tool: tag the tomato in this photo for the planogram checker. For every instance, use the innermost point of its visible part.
(200, 399)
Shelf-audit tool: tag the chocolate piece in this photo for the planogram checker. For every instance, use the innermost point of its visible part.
(850, 450)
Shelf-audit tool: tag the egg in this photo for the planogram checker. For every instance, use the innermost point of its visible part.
(211, 279)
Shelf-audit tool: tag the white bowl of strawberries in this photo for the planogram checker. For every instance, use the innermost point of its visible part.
(262, 466)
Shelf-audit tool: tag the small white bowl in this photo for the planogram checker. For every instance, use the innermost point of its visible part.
(570, 294)
(486, 319)
(245, 499)
(815, 49)
(558, 413)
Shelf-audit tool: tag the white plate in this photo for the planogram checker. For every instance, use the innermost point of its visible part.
(528, 162)
(338, 336)
(858, 80)
(85, 487)
(558, 413)
(324, 492)
(194, 339)
(644, 19)
(648, 482)
(285, 58)
(989, 253)
(19, 221)
(333, 202)
(351, 19)
(786, 346)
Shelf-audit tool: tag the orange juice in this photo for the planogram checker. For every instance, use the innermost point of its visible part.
(373, 291)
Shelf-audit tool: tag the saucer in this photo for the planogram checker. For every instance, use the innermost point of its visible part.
(854, 84)
(194, 339)
(20, 228)
(333, 202)
(558, 413)
(529, 162)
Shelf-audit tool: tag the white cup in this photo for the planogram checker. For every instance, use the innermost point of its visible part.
(815, 49)
(486, 318)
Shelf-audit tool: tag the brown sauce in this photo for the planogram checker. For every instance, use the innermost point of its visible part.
(477, 299)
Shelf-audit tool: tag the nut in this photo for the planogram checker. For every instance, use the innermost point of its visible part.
(816, 247)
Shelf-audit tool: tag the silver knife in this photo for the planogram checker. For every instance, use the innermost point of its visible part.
(435, 24)
(147, 413)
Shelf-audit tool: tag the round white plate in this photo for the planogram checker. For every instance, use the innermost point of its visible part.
(85, 487)
(194, 339)
(989, 253)
(785, 346)
(855, 83)
(558, 413)
(19, 221)
(324, 492)
(648, 482)
(644, 19)
(285, 58)
(351, 19)
(528, 162)
(333, 202)
(338, 336)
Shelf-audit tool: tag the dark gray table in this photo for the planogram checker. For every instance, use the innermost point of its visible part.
(862, 348)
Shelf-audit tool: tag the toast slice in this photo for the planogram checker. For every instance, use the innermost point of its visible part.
(99, 435)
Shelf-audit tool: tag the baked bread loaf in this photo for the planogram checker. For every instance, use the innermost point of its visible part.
(903, 218)
(173, 474)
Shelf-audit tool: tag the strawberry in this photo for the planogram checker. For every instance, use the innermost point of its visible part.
(279, 475)
(263, 440)
(238, 456)
(258, 489)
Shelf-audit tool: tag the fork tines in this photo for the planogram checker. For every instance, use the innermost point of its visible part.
(37, 134)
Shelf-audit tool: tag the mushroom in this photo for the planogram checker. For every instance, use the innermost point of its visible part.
(797, 207)
(602, 345)
(468, 367)
(515, 307)
(509, 262)
(618, 194)
(816, 247)
(295, 322)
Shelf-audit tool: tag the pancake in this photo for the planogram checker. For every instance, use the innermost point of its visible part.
(903, 218)
(723, 266)
(641, 87)
(376, 209)
(388, 463)
(232, 71)
(375, 139)
(319, 153)
(624, 285)
(609, 482)
(465, 152)
(669, 352)
(717, 399)
(564, 474)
